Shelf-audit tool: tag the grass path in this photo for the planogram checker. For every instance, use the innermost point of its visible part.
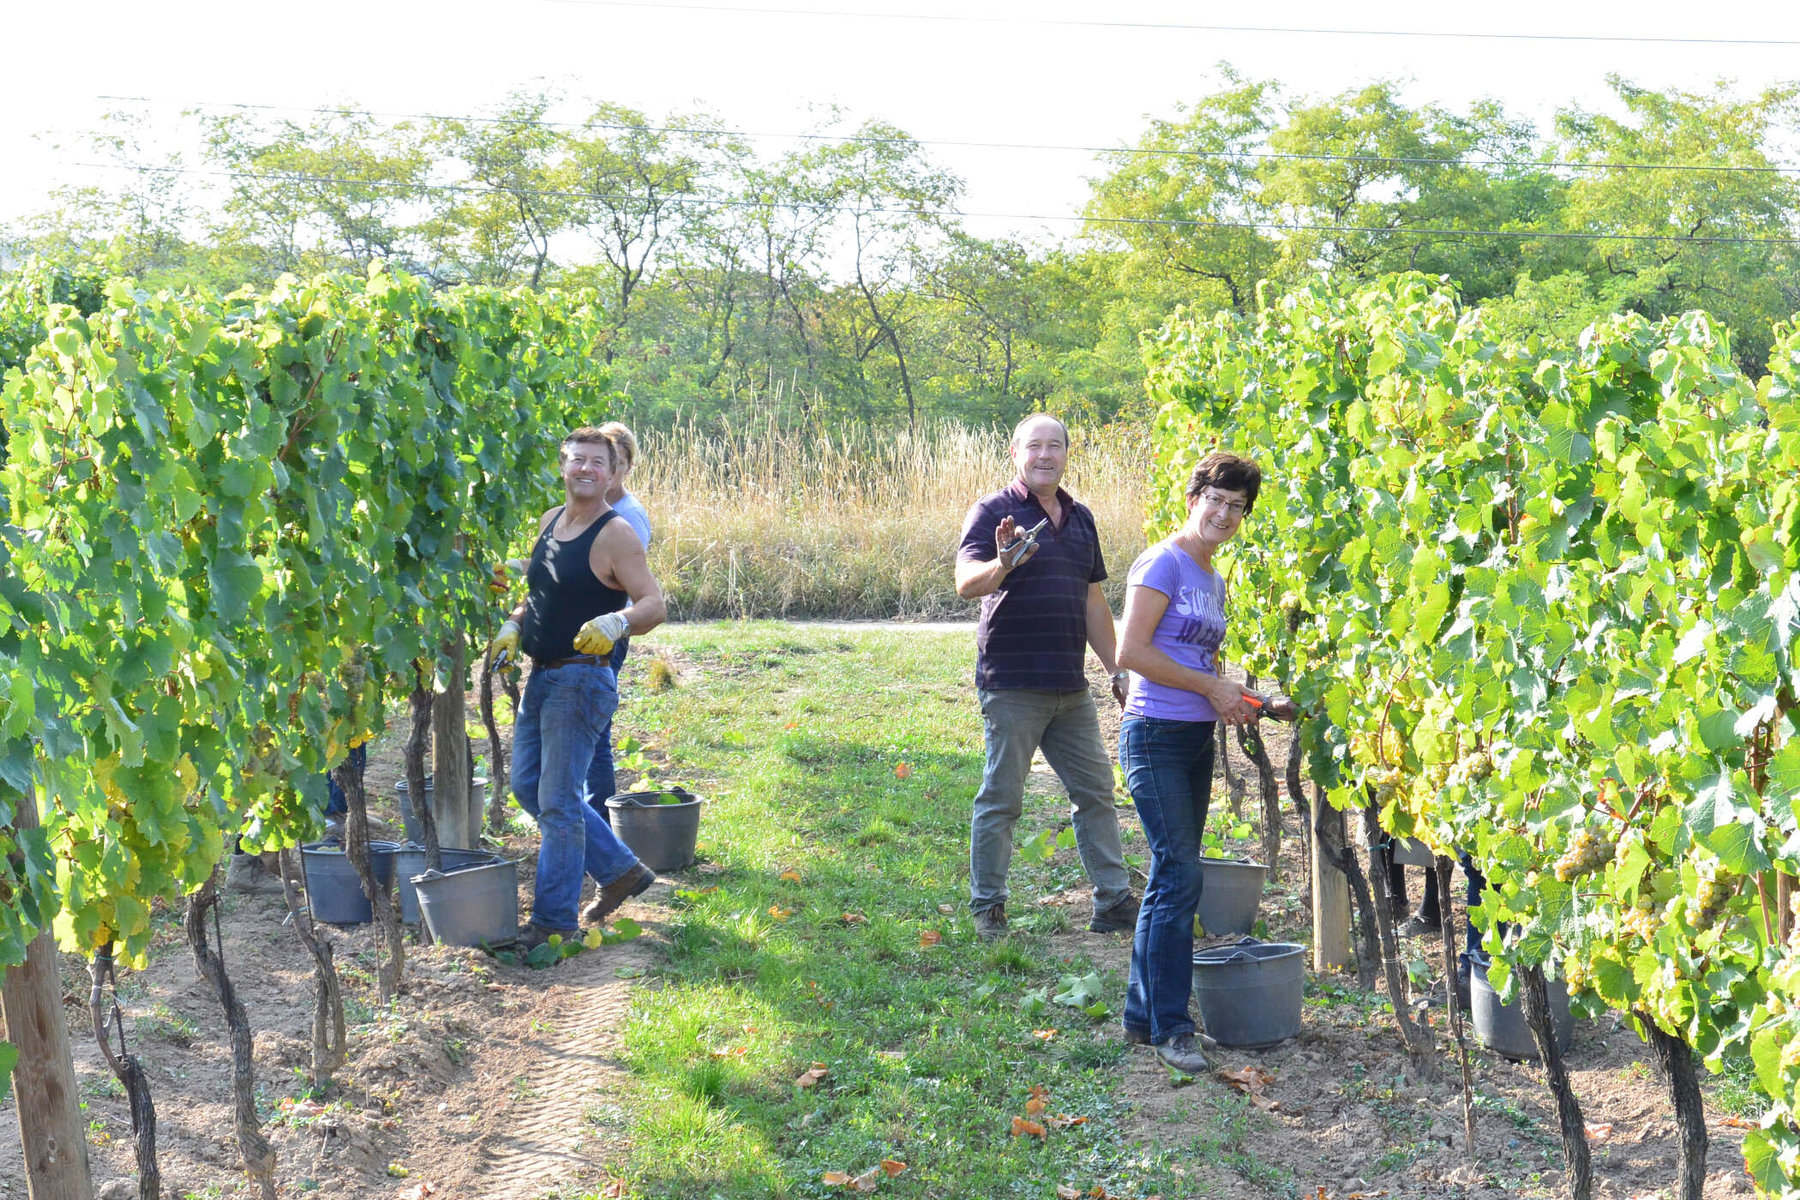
(826, 924)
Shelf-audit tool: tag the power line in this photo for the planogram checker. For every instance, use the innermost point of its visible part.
(877, 210)
(1165, 26)
(1270, 155)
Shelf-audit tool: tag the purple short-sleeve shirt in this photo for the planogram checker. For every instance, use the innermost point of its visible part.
(1190, 632)
(1033, 631)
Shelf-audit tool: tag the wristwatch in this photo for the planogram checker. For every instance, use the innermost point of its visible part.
(1121, 677)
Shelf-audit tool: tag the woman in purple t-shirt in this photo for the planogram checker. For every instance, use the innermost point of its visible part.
(1173, 627)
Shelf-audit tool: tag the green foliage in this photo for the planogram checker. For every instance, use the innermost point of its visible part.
(231, 527)
(1543, 607)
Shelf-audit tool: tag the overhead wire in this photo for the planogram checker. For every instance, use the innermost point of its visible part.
(1268, 155)
(816, 206)
(1182, 26)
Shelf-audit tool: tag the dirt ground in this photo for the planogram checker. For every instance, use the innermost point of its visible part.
(490, 1080)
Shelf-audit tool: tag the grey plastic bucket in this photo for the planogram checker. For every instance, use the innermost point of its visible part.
(333, 890)
(1249, 992)
(476, 905)
(1501, 1027)
(409, 860)
(409, 818)
(1411, 852)
(1231, 889)
(661, 835)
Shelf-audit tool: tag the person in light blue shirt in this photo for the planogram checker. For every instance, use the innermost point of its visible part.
(1175, 612)
(602, 781)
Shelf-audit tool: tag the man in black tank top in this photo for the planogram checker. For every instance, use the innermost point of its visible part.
(589, 587)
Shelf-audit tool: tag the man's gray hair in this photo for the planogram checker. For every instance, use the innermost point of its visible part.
(1020, 427)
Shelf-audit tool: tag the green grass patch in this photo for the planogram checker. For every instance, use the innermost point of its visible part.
(827, 923)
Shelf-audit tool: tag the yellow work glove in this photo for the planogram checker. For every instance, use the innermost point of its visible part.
(598, 635)
(505, 644)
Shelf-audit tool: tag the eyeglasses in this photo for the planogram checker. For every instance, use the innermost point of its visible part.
(1234, 507)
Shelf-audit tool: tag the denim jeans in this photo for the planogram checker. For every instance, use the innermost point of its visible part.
(337, 804)
(1168, 767)
(602, 783)
(560, 717)
(1065, 726)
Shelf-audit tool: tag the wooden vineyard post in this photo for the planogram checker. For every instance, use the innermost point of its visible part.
(1330, 896)
(458, 817)
(43, 1080)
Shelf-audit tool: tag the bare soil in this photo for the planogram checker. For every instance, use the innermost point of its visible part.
(488, 1080)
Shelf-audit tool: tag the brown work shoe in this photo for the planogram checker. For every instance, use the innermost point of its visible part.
(532, 935)
(1122, 917)
(607, 900)
(990, 922)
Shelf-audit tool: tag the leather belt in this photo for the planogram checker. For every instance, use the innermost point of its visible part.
(588, 659)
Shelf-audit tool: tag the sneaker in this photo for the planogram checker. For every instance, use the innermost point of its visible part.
(606, 901)
(1181, 1053)
(247, 873)
(990, 922)
(532, 935)
(1138, 1037)
(1417, 926)
(1122, 917)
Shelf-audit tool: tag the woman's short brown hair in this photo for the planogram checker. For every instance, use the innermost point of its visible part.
(1228, 473)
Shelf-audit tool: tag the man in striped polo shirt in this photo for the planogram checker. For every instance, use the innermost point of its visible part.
(1041, 607)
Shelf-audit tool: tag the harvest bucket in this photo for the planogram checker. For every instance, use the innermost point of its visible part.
(333, 890)
(1249, 992)
(475, 905)
(1231, 889)
(659, 827)
(1501, 1027)
(409, 860)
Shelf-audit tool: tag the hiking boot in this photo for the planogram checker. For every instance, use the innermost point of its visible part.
(1183, 1055)
(532, 935)
(1418, 926)
(1120, 918)
(990, 922)
(247, 873)
(606, 901)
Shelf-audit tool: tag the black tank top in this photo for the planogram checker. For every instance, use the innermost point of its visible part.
(565, 595)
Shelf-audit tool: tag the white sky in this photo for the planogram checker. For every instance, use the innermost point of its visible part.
(1014, 79)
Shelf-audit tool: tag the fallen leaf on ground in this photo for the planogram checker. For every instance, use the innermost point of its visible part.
(792, 725)
(791, 875)
(855, 919)
(613, 1191)
(1263, 1103)
(1039, 1092)
(1737, 1123)
(1065, 1192)
(418, 1191)
(1044, 1034)
(1599, 1132)
(946, 909)
(1022, 1127)
(810, 1077)
(929, 937)
(1248, 1079)
(866, 1181)
(902, 771)
(1033, 1107)
(836, 1178)
(892, 1166)
(1064, 1120)
(780, 913)
(894, 1055)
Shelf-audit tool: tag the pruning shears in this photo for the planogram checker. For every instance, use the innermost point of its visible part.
(1016, 551)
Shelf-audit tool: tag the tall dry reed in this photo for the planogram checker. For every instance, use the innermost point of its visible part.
(770, 521)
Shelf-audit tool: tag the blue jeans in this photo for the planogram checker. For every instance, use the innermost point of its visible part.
(1168, 767)
(560, 717)
(337, 803)
(602, 783)
(1065, 726)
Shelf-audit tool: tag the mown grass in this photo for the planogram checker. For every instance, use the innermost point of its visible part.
(851, 522)
(839, 770)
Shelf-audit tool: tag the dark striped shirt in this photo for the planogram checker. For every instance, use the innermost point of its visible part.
(1033, 631)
